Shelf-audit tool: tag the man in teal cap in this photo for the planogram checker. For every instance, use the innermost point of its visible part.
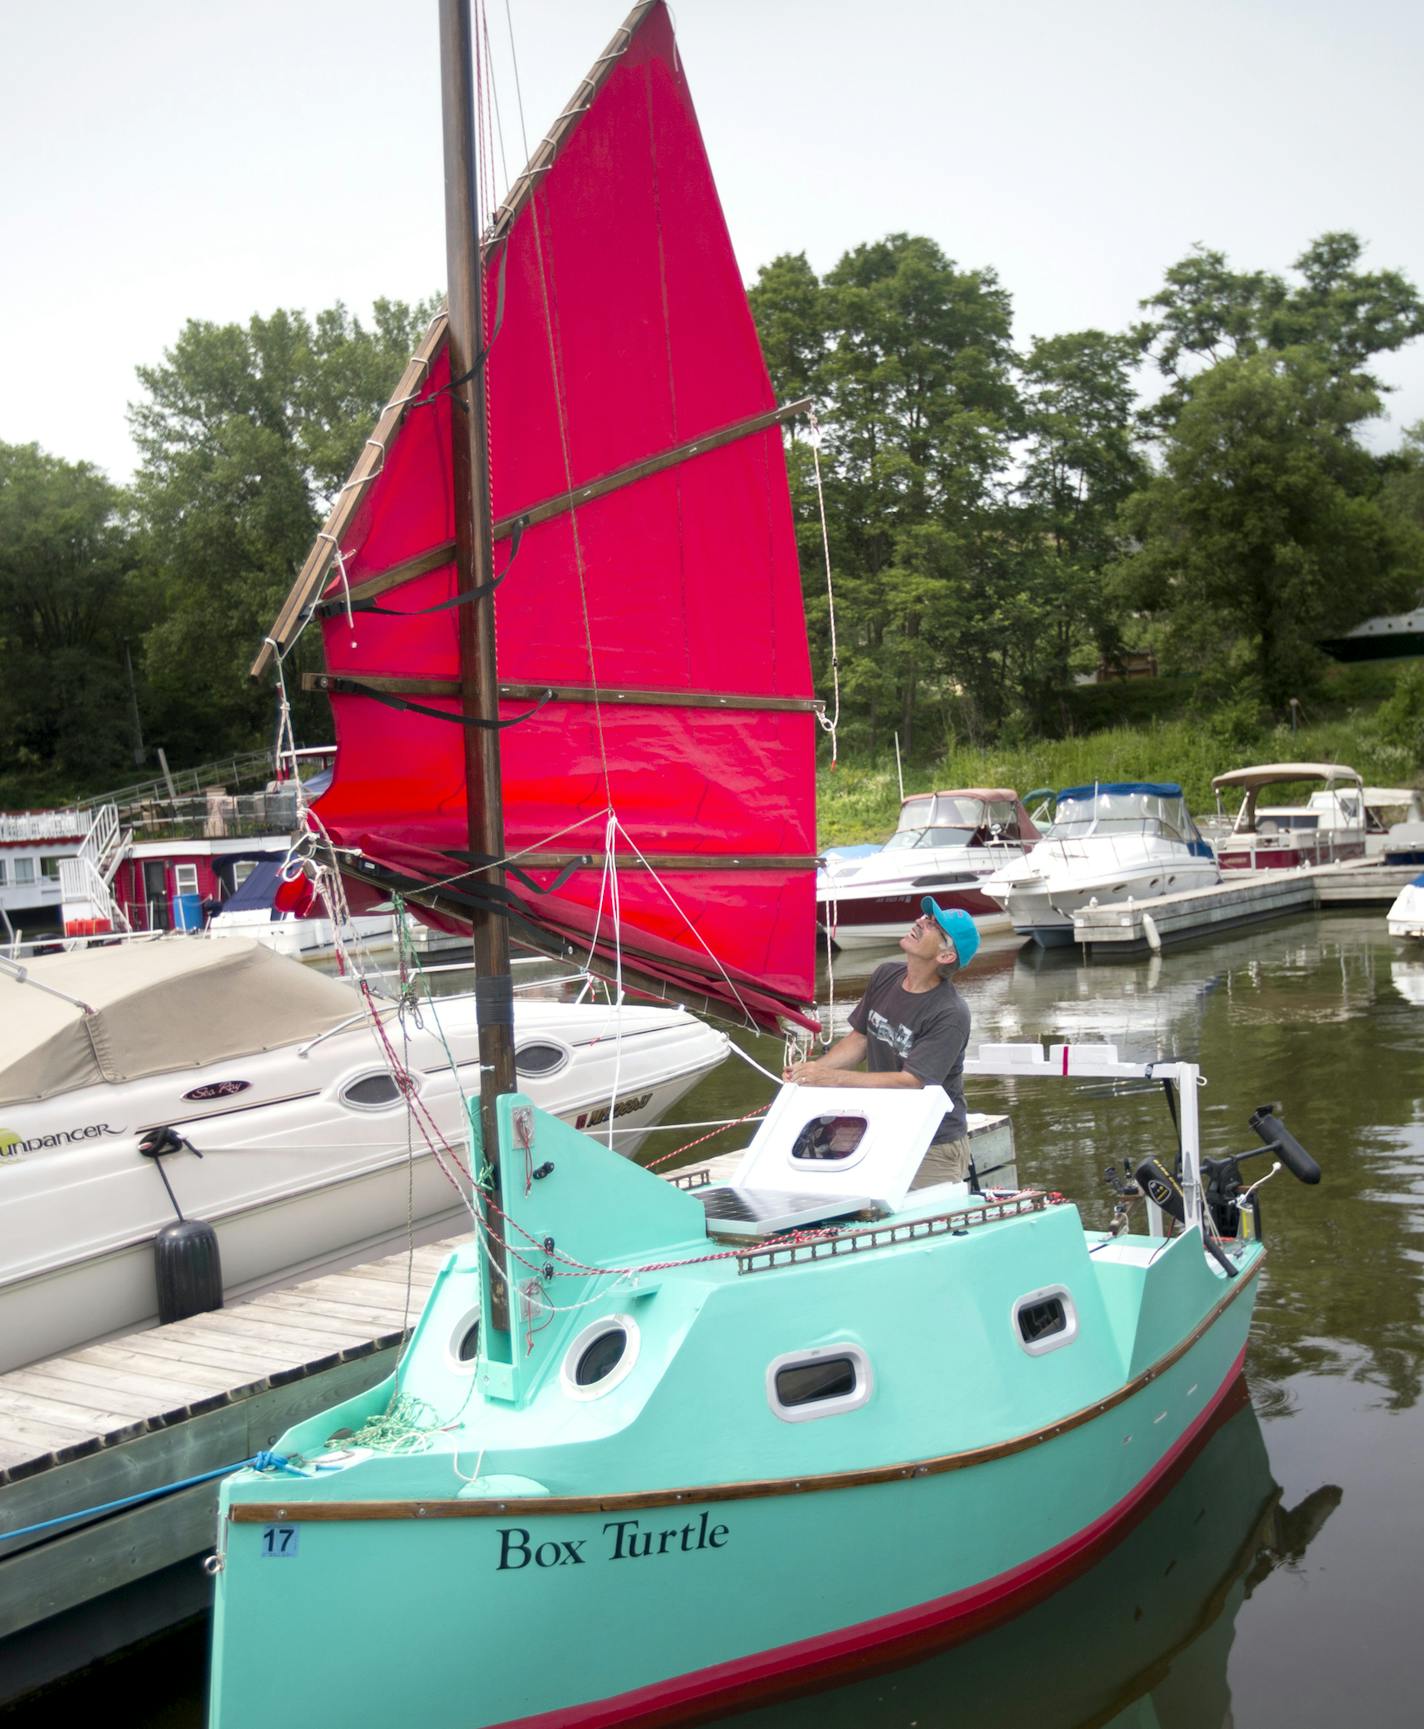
(911, 1028)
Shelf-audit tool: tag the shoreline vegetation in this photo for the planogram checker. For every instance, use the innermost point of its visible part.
(859, 800)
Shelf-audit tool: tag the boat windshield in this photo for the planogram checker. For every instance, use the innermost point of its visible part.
(937, 822)
(1121, 813)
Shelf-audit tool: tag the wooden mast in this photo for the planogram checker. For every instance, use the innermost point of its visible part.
(479, 684)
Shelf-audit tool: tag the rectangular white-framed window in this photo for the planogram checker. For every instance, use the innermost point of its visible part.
(185, 879)
(24, 871)
(49, 869)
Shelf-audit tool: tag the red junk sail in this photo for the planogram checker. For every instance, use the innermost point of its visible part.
(648, 618)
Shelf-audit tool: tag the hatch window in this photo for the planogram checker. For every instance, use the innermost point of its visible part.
(1044, 1320)
(808, 1384)
(375, 1092)
(828, 1139)
(600, 1357)
(540, 1058)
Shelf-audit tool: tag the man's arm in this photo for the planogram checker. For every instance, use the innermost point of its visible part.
(838, 1068)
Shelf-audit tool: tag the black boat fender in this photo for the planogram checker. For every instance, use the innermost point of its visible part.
(187, 1267)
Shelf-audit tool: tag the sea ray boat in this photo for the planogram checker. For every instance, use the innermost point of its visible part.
(287, 1085)
(1328, 828)
(945, 844)
(1406, 916)
(817, 1409)
(1111, 841)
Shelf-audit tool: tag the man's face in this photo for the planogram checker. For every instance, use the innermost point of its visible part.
(926, 939)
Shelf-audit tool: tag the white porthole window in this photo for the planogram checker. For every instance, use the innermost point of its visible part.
(1044, 1320)
(601, 1356)
(464, 1347)
(804, 1385)
(376, 1091)
(826, 1142)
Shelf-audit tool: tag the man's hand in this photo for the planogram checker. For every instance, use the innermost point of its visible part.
(817, 1074)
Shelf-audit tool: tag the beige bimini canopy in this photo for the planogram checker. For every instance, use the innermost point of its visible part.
(1269, 771)
(151, 1008)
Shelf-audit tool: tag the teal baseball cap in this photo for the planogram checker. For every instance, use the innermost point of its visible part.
(957, 926)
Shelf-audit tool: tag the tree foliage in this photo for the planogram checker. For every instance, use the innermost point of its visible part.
(66, 559)
(244, 434)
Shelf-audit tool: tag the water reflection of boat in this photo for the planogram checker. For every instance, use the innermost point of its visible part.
(1408, 977)
(1152, 1620)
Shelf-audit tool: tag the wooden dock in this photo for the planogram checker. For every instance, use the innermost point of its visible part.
(157, 1407)
(1242, 898)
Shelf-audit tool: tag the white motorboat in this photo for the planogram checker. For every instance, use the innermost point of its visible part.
(1328, 828)
(945, 845)
(283, 1088)
(1111, 841)
(1394, 824)
(1406, 916)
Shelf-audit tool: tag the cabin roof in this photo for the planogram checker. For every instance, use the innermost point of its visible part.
(1265, 772)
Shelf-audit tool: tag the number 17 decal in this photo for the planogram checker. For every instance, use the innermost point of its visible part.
(279, 1542)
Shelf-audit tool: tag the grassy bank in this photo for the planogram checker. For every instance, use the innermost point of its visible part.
(858, 801)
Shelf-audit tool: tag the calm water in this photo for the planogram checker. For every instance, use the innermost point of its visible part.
(1275, 1584)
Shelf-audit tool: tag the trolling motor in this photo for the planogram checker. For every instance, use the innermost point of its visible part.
(1234, 1206)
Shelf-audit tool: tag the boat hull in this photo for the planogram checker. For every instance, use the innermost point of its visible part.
(882, 919)
(781, 1586)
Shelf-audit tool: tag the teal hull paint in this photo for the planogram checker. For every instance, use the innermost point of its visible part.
(386, 1609)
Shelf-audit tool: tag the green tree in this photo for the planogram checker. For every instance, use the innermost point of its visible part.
(1080, 463)
(1263, 526)
(908, 357)
(66, 554)
(244, 434)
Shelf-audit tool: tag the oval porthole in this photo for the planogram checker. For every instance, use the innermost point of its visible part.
(373, 1092)
(539, 1058)
(804, 1385)
(600, 1357)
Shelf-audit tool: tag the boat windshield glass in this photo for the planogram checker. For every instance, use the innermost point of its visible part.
(936, 822)
(1121, 813)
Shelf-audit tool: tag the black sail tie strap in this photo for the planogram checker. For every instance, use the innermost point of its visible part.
(356, 687)
(478, 592)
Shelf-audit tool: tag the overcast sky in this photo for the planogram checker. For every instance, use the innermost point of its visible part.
(175, 159)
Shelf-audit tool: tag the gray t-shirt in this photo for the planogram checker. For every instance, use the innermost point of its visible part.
(923, 1031)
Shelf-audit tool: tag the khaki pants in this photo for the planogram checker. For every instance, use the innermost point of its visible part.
(945, 1162)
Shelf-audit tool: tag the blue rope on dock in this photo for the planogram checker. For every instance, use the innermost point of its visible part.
(258, 1461)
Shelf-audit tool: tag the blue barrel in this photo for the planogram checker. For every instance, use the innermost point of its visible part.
(187, 912)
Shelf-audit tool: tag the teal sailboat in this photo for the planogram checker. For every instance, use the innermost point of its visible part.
(657, 1447)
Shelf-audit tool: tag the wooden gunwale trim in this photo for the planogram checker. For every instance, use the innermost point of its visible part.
(396, 685)
(756, 1489)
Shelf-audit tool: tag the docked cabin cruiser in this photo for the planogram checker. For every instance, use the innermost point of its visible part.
(1406, 916)
(280, 1079)
(945, 845)
(1394, 824)
(1111, 841)
(1328, 828)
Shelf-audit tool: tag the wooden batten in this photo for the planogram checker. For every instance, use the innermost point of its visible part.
(336, 684)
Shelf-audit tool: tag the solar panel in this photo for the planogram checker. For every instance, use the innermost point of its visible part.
(737, 1212)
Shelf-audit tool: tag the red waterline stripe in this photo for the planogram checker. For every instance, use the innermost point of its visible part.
(707, 1692)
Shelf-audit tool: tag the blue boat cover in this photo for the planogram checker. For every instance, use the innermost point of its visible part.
(1158, 788)
(258, 891)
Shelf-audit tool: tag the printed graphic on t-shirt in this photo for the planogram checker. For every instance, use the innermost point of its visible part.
(898, 1038)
